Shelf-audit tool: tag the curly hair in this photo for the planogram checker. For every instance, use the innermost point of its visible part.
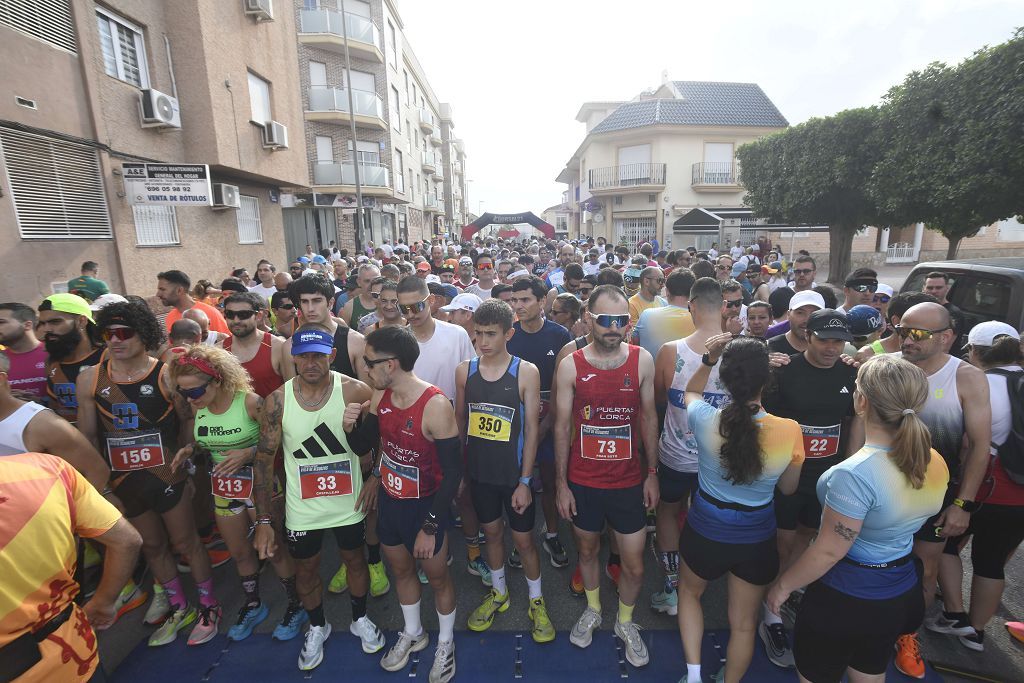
(136, 316)
(233, 377)
(744, 372)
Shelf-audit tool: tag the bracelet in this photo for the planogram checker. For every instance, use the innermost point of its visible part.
(652, 470)
(264, 519)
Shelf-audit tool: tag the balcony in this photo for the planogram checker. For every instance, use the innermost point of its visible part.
(431, 203)
(458, 168)
(322, 28)
(429, 161)
(331, 106)
(435, 136)
(716, 176)
(341, 177)
(427, 123)
(439, 170)
(627, 179)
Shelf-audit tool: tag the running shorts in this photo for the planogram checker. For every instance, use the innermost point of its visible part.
(303, 545)
(489, 500)
(928, 532)
(756, 563)
(798, 509)
(674, 485)
(400, 521)
(622, 509)
(143, 491)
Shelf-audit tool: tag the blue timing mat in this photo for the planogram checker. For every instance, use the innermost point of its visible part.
(495, 656)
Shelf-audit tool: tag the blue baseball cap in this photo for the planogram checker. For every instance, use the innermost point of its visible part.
(864, 320)
(312, 341)
(319, 259)
(303, 260)
(450, 291)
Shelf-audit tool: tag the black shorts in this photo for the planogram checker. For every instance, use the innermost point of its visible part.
(755, 563)
(303, 545)
(400, 521)
(142, 491)
(995, 532)
(801, 508)
(622, 509)
(862, 637)
(674, 485)
(928, 532)
(489, 500)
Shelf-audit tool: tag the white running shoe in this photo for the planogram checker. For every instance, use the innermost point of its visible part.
(398, 656)
(636, 648)
(367, 631)
(443, 669)
(160, 608)
(313, 648)
(583, 630)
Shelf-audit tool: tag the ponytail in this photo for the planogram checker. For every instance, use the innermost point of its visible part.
(744, 372)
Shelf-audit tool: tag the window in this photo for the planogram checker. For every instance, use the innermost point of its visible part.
(259, 99)
(406, 75)
(361, 80)
(412, 186)
(651, 198)
(561, 223)
(124, 55)
(366, 152)
(396, 109)
(317, 74)
(324, 150)
(634, 230)
(56, 187)
(250, 230)
(48, 21)
(399, 172)
(394, 44)
(155, 226)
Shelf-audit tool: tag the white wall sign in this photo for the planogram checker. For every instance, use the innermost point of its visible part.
(168, 184)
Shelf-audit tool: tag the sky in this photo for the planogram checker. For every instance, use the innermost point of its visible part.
(517, 73)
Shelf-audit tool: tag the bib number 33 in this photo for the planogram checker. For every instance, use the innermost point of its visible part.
(321, 481)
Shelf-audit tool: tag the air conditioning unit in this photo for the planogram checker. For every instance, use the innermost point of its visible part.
(263, 10)
(275, 136)
(226, 196)
(159, 110)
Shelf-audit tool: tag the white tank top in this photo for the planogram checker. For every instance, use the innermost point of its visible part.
(211, 338)
(677, 448)
(12, 428)
(945, 416)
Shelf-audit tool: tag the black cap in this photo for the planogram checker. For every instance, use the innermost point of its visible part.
(829, 324)
(351, 283)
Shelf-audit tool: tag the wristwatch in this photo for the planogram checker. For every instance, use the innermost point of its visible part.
(968, 506)
(706, 360)
(525, 481)
(430, 525)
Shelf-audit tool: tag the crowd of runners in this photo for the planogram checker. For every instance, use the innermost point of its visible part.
(830, 451)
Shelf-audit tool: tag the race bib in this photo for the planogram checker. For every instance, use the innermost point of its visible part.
(237, 486)
(820, 442)
(606, 443)
(491, 422)
(545, 404)
(136, 452)
(400, 481)
(321, 481)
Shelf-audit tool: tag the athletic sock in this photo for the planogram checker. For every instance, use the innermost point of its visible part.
(373, 551)
(670, 565)
(594, 599)
(770, 617)
(411, 615)
(205, 589)
(669, 587)
(613, 558)
(290, 591)
(625, 612)
(358, 607)
(472, 548)
(534, 585)
(446, 630)
(316, 615)
(251, 586)
(692, 673)
(498, 580)
(176, 593)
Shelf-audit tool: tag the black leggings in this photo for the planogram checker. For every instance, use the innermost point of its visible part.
(997, 531)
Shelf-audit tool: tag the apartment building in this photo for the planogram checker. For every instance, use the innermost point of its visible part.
(91, 86)
(403, 153)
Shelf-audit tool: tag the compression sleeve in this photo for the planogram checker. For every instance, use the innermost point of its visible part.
(365, 436)
(449, 452)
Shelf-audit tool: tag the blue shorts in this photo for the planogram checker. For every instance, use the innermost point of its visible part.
(400, 521)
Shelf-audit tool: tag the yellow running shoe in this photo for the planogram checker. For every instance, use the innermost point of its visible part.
(379, 584)
(339, 582)
(543, 631)
(483, 616)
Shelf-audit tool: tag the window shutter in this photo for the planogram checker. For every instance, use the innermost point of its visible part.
(250, 230)
(47, 20)
(155, 225)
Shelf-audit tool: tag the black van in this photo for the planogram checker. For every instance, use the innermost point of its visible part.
(984, 289)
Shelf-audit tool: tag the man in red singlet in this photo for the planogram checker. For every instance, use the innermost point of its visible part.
(260, 353)
(27, 355)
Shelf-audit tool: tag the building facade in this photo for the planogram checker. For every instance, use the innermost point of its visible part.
(93, 86)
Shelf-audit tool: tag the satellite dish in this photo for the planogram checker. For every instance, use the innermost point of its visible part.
(599, 217)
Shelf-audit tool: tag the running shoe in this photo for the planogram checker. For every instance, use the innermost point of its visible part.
(368, 633)
(483, 616)
(131, 596)
(908, 656)
(206, 628)
(443, 669)
(479, 568)
(790, 606)
(379, 584)
(292, 622)
(576, 583)
(613, 571)
(776, 645)
(1016, 629)
(249, 617)
(514, 561)
(973, 641)
(398, 656)
(719, 676)
(90, 556)
(553, 547)
(542, 630)
(583, 630)
(218, 558)
(339, 582)
(635, 647)
(666, 603)
(313, 647)
(160, 608)
(422, 576)
(951, 623)
(168, 631)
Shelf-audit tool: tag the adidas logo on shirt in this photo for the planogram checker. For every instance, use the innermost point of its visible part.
(551, 352)
(844, 390)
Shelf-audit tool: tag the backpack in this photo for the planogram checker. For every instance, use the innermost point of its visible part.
(1011, 451)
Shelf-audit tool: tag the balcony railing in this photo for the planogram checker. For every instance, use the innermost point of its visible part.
(322, 98)
(429, 160)
(626, 175)
(427, 120)
(344, 173)
(721, 173)
(359, 29)
(430, 202)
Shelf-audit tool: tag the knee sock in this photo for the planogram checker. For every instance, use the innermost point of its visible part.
(594, 599)
(498, 580)
(625, 612)
(176, 593)
(411, 615)
(692, 673)
(251, 586)
(472, 548)
(770, 617)
(534, 585)
(373, 550)
(290, 591)
(206, 596)
(316, 615)
(446, 632)
(358, 607)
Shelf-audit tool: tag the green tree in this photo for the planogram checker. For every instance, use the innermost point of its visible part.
(952, 156)
(817, 173)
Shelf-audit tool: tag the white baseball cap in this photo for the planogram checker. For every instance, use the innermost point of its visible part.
(986, 333)
(106, 300)
(806, 298)
(884, 289)
(463, 302)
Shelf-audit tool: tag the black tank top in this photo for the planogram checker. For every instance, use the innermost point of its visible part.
(342, 363)
(60, 384)
(494, 443)
(580, 342)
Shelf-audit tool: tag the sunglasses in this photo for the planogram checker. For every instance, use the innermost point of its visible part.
(734, 304)
(286, 307)
(607, 320)
(881, 299)
(375, 295)
(721, 267)
(917, 334)
(803, 271)
(864, 287)
(373, 363)
(194, 393)
(413, 309)
(239, 315)
(485, 266)
(121, 333)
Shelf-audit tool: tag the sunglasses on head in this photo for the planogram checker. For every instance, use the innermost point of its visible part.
(863, 286)
(803, 271)
(239, 315)
(193, 393)
(121, 333)
(917, 334)
(607, 320)
(881, 298)
(734, 304)
(413, 309)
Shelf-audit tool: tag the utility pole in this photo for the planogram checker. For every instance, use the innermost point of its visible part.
(360, 233)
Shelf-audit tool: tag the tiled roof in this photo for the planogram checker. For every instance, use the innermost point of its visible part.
(703, 103)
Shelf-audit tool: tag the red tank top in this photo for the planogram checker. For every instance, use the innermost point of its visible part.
(409, 466)
(261, 368)
(606, 423)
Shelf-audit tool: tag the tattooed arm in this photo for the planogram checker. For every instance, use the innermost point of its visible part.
(263, 470)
